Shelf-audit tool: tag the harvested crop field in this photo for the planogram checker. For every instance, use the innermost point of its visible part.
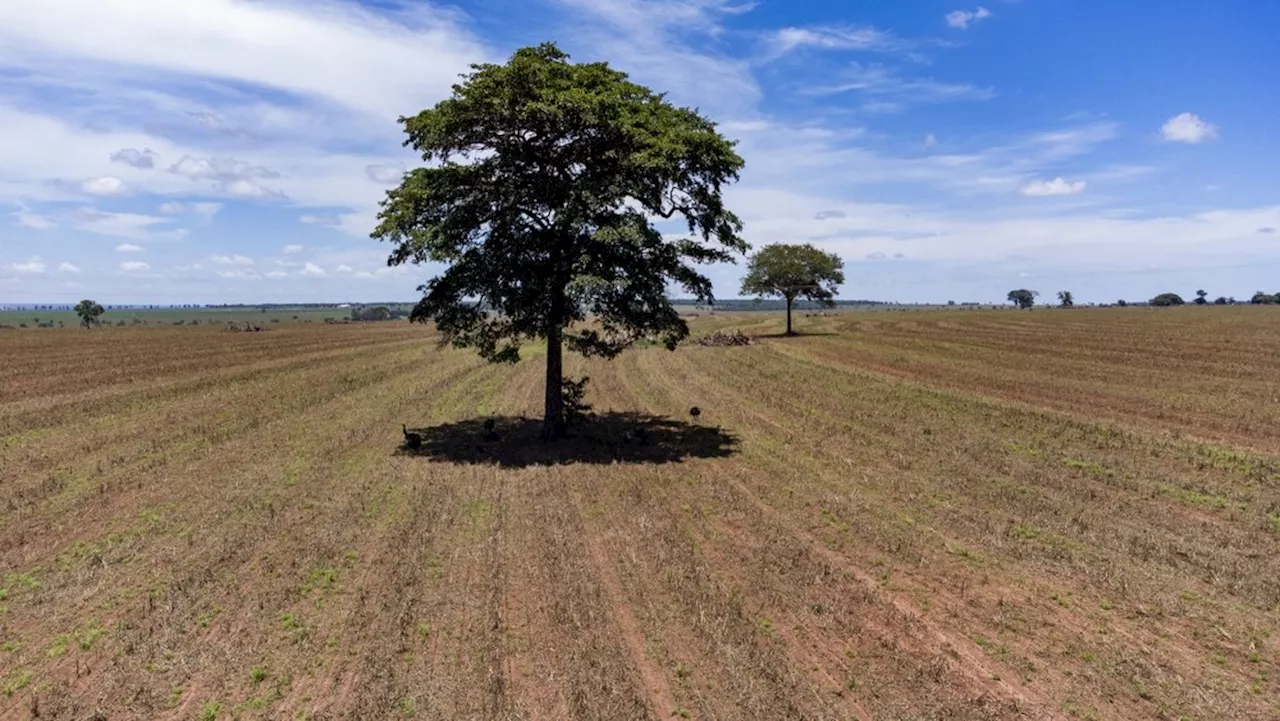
(959, 515)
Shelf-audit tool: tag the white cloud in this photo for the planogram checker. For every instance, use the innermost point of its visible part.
(276, 274)
(290, 249)
(219, 169)
(129, 248)
(203, 211)
(106, 186)
(961, 19)
(145, 159)
(33, 266)
(313, 270)
(231, 260)
(134, 266)
(1057, 186)
(893, 88)
(344, 268)
(835, 38)
(35, 221)
(68, 268)
(238, 274)
(335, 53)
(386, 173)
(930, 140)
(120, 225)
(331, 221)
(248, 189)
(1188, 128)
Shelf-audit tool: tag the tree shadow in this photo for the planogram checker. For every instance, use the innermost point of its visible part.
(797, 334)
(603, 438)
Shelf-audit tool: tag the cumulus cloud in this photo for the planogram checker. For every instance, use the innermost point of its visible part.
(134, 266)
(68, 268)
(293, 249)
(231, 260)
(234, 177)
(145, 159)
(33, 266)
(1188, 128)
(129, 248)
(313, 270)
(331, 221)
(1057, 186)
(106, 186)
(386, 173)
(962, 19)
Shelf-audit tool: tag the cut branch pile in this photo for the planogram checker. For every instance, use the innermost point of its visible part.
(719, 339)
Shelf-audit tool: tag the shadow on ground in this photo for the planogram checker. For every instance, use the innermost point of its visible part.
(797, 334)
(601, 438)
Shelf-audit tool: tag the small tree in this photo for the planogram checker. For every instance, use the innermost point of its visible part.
(541, 182)
(1023, 298)
(1200, 297)
(90, 312)
(794, 271)
(1167, 299)
(1065, 299)
(1122, 303)
(1262, 298)
(1220, 300)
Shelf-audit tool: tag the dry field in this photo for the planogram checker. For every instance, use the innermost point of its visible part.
(951, 515)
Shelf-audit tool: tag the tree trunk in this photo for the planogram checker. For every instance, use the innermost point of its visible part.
(789, 331)
(553, 415)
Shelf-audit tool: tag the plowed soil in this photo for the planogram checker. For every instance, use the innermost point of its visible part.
(924, 515)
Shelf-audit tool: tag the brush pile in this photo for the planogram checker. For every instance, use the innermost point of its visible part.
(720, 339)
(245, 327)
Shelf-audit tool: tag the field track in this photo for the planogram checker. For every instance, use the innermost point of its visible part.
(926, 515)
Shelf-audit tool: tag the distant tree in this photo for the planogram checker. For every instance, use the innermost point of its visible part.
(1023, 298)
(540, 183)
(1122, 303)
(1220, 300)
(793, 271)
(90, 312)
(1065, 299)
(1167, 299)
(1275, 298)
(1200, 297)
(1262, 298)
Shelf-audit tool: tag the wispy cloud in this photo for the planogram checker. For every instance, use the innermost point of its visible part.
(887, 84)
(136, 158)
(231, 260)
(135, 266)
(835, 37)
(106, 186)
(32, 266)
(129, 248)
(68, 268)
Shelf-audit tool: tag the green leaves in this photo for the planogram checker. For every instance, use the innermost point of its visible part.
(541, 178)
(794, 271)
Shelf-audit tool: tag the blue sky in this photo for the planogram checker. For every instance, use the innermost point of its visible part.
(235, 151)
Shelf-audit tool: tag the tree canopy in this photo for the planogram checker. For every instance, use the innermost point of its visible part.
(1167, 299)
(542, 177)
(794, 271)
(1023, 298)
(90, 312)
(1065, 299)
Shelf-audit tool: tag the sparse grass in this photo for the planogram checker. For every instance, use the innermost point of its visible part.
(1085, 505)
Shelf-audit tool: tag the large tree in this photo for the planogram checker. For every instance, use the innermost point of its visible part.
(794, 271)
(90, 312)
(1066, 299)
(542, 179)
(1023, 298)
